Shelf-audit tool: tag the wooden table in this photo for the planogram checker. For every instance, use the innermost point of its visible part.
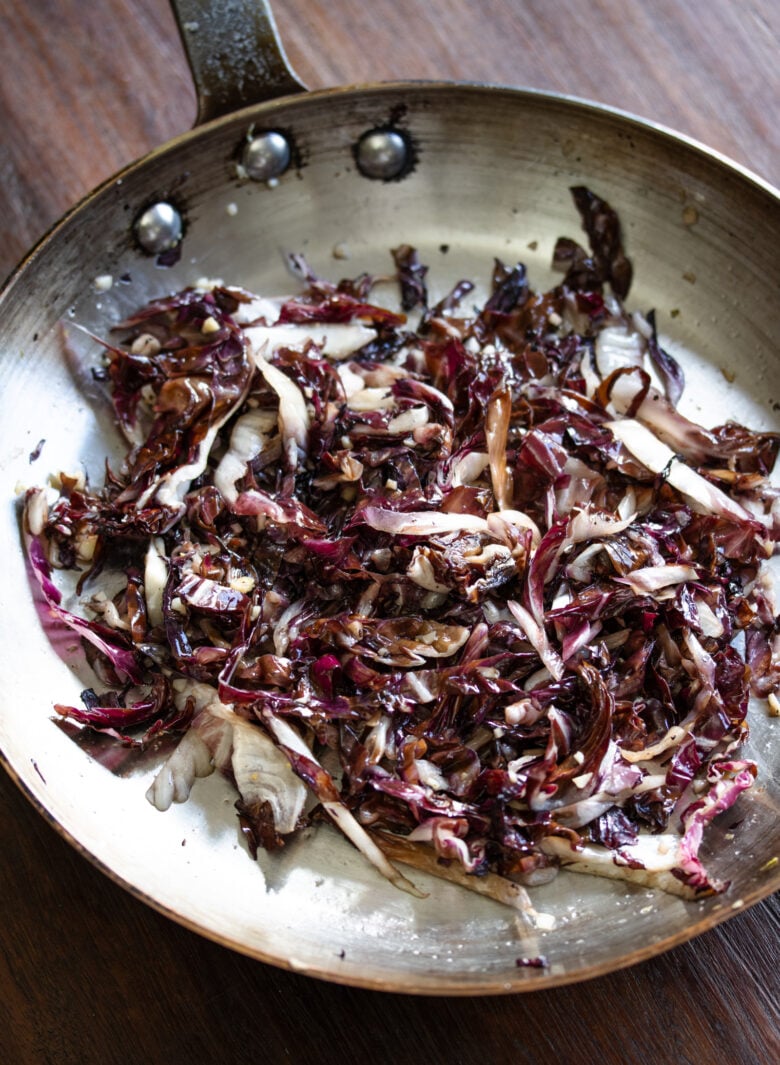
(87, 973)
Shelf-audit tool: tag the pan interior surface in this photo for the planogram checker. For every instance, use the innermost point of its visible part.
(491, 174)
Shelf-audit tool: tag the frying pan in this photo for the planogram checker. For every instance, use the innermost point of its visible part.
(483, 172)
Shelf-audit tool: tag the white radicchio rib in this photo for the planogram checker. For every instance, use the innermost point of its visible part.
(338, 341)
(248, 439)
(294, 418)
(651, 452)
(422, 522)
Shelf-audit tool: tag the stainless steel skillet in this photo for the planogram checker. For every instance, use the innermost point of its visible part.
(491, 177)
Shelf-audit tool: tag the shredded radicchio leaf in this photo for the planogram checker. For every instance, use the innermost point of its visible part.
(411, 277)
(471, 591)
(602, 225)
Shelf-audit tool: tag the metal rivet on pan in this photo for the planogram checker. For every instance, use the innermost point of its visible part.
(382, 153)
(266, 156)
(159, 228)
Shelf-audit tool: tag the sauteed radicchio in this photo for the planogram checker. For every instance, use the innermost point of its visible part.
(472, 588)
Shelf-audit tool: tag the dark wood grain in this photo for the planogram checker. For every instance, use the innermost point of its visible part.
(87, 973)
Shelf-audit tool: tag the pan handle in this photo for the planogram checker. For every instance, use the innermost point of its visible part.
(235, 54)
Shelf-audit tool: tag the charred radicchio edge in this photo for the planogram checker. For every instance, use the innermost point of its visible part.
(471, 589)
